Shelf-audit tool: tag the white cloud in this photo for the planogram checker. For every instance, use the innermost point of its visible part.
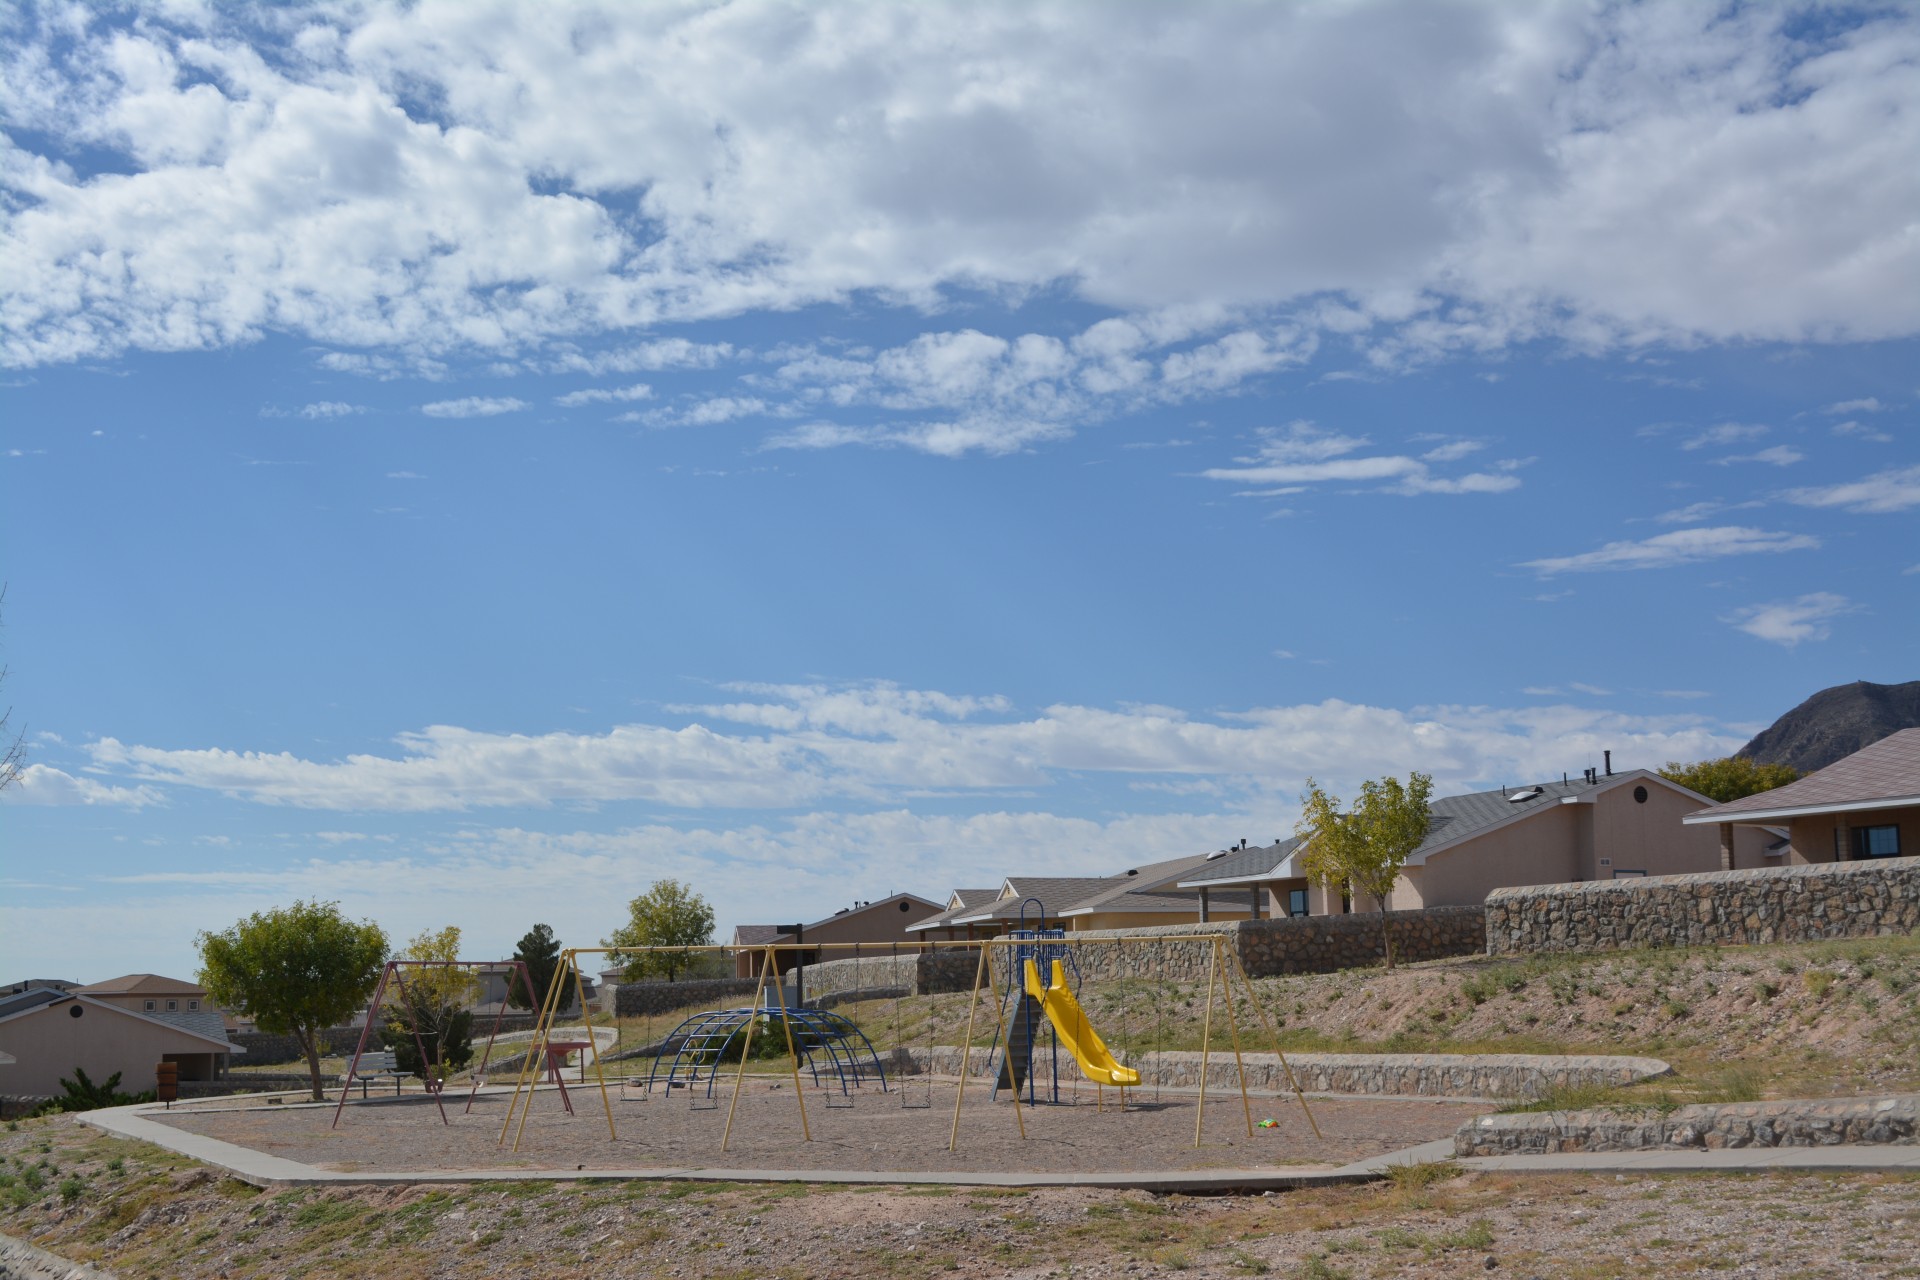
(1868, 404)
(1788, 622)
(1682, 546)
(473, 407)
(1411, 179)
(41, 784)
(1780, 455)
(792, 746)
(605, 395)
(330, 409)
(1725, 433)
(1304, 454)
(1895, 489)
(1861, 431)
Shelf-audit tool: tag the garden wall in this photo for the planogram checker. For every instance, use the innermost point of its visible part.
(1716, 908)
(1702, 1126)
(1268, 948)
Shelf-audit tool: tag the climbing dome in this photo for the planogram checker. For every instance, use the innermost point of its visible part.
(709, 1044)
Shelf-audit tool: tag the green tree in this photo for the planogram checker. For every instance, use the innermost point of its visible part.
(435, 1008)
(1729, 778)
(668, 914)
(295, 971)
(539, 950)
(1364, 849)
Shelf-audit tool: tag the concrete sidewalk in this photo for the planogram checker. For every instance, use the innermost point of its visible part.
(262, 1169)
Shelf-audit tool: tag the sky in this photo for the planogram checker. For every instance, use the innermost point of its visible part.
(468, 461)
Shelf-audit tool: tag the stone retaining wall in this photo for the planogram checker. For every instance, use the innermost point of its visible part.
(642, 999)
(1719, 908)
(1700, 1127)
(1430, 1075)
(1269, 948)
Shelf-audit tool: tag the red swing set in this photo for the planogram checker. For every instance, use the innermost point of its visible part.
(392, 975)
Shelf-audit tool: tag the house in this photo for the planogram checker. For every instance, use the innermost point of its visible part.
(1866, 805)
(49, 1032)
(149, 993)
(1595, 827)
(883, 922)
(1137, 897)
(946, 926)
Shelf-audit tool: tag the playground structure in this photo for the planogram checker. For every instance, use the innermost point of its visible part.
(392, 975)
(1039, 1006)
(702, 1042)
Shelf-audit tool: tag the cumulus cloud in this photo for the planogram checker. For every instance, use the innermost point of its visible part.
(1788, 622)
(1725, 433)
(791, 746)
(1302, 454)
(1895, 489)
(1682, 546)
(473, 407)
(1415, 179)
(1867, 404)
(42, 784)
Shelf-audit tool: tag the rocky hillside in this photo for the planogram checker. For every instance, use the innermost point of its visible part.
(1836, 722)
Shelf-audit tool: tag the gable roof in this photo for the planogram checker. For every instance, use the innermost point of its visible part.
(1880, 775)
(209, 1032)
(141, 984)
(1453, 821)
(759, 935)
(959, 903)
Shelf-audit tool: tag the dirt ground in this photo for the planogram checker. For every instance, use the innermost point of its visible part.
(142, 1212)
(876, 1133)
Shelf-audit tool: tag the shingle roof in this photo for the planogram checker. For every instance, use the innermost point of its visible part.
(1453, 819)
(141, 984)
(1881, 774)
(1055, 893)
(968, 902)
(758, 935)
(204, 1023)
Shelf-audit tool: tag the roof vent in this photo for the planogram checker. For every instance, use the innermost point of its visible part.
(1218, 853)
(1524, 794)
(1133, 871)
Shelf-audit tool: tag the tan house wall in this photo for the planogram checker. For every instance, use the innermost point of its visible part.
(1543, 849)
(47, 1044)
(182, 1001)
(1812, 838)
(884, 923)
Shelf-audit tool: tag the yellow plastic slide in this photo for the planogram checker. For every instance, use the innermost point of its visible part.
(1082, 1041)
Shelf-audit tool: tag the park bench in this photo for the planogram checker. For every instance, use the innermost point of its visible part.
(378, 1064)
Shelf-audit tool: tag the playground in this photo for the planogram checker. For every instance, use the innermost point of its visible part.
(1062, 1065)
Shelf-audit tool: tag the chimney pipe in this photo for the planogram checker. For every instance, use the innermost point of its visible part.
(1609, 758)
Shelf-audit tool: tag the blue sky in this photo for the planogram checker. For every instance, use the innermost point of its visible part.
(470, 461)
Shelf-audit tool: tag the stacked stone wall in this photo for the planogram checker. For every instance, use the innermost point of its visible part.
(1710, 1127)
(1269, 948)
(1492, 1076)
(647, 999)
(1720, 908)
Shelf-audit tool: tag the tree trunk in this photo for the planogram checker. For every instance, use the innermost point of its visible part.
(1386, 930)
(310, 1045)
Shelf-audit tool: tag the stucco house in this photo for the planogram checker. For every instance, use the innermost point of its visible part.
(1866, 805)
(882, 922)
(1599, 826)
(50, 1032)
(1134, 898)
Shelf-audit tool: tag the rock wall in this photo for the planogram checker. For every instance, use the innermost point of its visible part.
(1702, 1126)
(1269, 948)
(644, 999)
(1494, 1076)
(1718, 908)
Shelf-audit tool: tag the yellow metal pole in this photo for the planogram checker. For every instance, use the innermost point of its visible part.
(793, 1059)
(1274, 1032)
(966, 1051)
(523, 1080)
(593, 1047)
(1233, 1025)
(543, 1036)
(740, 1076)
(1206, 1041)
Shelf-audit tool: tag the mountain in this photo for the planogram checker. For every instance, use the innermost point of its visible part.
(1836, 722)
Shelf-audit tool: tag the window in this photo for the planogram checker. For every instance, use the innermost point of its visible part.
(149, 1006)
(173, 1006)
(1296, 902)
(1639, 795)
(1618, 874)
(1876, 842)
(193, 1006)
